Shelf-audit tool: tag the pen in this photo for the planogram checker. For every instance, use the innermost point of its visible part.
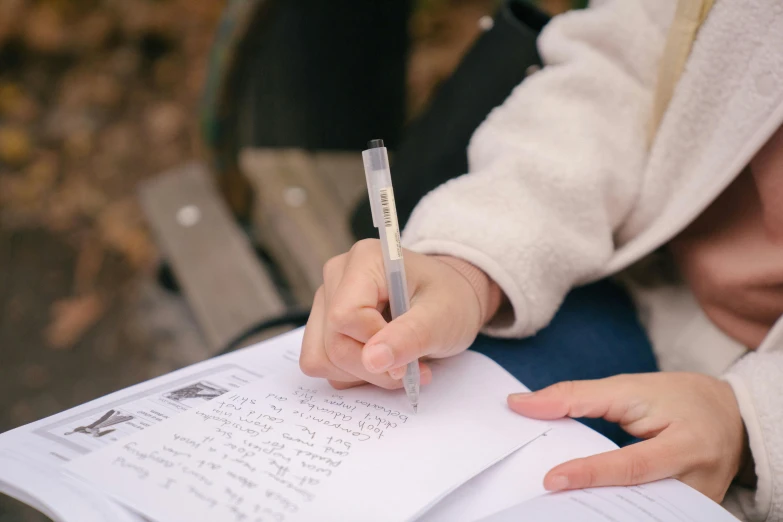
(384, 218)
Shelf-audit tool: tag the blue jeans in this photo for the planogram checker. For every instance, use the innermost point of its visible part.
(595, 334)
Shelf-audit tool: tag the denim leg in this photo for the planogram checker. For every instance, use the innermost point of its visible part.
(595, 334)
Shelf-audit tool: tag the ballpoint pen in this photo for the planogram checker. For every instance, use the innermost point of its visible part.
(384, 218)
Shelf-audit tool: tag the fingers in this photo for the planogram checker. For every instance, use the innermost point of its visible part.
(639, 463)
(354, 316)
(424, 330)
(398, 373)
(313, 360)
(347, 354)
(356, 296)
(318, 360)
(344, 338)
(340, 385)
(615, 399)
(425, 376)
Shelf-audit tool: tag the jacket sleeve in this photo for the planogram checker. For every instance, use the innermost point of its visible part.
(555, 170)
(757, 380)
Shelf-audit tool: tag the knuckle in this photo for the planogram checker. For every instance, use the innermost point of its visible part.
(386, 385)
(702, 451)
(333, 268)
(588, 475)
(341, 385)
(340, 316)
(312, 365)
(562, 388)
(637, 470)
(366, 246)
(563, 394)
(417, 333)
(338, 352)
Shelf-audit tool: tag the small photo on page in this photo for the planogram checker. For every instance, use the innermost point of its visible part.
(196, 393)
(95, 428)
(101, 428)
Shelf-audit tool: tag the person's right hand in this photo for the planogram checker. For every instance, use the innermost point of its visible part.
(348, 340)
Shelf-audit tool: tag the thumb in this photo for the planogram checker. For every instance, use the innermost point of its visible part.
(414, 334)
(610, 398)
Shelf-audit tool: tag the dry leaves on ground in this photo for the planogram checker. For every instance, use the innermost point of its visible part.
(71, 318)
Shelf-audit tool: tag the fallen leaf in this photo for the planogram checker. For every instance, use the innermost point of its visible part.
(122, 229)
(16, 104)
(165, 121)
(71, 319)
(15, 145)
(94, 30)
(45, 30)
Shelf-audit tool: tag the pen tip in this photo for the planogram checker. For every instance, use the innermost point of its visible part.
(415, 408)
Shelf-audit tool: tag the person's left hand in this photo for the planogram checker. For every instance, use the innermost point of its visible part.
(692, 421)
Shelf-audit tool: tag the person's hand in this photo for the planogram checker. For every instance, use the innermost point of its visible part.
(692, 421)
(349, 341)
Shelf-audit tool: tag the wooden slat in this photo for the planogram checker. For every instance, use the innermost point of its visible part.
(344, 173)
(217, 269)
(300, 213)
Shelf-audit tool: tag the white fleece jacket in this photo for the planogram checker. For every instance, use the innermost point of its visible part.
(564, 187)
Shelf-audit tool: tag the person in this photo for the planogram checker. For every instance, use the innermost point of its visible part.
(588, 168)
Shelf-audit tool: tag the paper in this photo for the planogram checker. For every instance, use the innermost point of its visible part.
(291, 448)
(32, 457)
(520, 477)
(663, 501)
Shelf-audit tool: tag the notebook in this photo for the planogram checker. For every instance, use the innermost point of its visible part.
(247, 437)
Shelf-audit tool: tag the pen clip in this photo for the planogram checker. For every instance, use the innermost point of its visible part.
(370, 163)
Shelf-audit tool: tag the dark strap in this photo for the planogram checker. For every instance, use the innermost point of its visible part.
(434, 147)
(294, 318)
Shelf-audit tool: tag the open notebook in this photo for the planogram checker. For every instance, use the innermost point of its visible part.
(247, 437)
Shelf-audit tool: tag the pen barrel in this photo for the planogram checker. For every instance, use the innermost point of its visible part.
(412, 379)
(398, 292)
(384, 214)
(393, 262)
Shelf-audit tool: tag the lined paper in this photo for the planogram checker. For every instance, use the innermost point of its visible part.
(290, 448)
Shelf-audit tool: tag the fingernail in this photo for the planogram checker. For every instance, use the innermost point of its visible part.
(520, 397)
(379, 358)
(557, 483)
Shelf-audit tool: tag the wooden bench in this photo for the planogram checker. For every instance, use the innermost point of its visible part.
(301, 205)
(214, 263)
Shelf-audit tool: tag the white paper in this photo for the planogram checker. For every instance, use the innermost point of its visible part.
(663, 501)
(290, 448)
(32, 456)
(520, 477)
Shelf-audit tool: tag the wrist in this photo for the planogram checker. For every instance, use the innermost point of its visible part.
(488, 293)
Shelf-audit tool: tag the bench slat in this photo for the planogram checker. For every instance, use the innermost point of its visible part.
(300, 213)
(215, 265)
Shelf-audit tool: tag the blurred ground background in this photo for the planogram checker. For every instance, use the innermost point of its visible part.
(96, 96)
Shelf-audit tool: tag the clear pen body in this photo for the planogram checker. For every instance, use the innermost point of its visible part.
(384, 214)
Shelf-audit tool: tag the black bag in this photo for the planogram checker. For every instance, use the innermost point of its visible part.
(434, 148)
